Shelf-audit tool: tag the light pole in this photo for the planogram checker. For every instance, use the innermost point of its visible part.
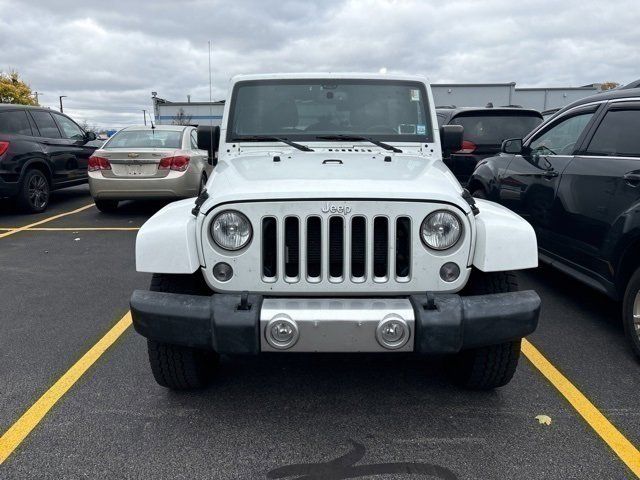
(61, 97)
(37, 95)
(144, 113)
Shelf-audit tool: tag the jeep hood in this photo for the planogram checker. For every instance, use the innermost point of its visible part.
(329, 175)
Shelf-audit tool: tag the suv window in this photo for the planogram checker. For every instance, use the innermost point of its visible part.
(617, 135)
(46, 125)
(69, 128)
(15, 121)
(561, 138)
(194, 140)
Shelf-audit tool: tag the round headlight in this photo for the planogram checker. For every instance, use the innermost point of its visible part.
(440, 230)
(231, 230)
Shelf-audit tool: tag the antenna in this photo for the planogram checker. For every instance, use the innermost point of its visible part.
(211, 152)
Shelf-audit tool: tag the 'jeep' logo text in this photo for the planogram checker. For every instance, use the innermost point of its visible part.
(331, 208)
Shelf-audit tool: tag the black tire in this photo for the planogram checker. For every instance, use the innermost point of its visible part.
(479, 193)
(174, 366)
(631, 328)
(492, 366)
(106, 206)
(34, 192)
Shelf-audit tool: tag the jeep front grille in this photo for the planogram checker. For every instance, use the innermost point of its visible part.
(336, 248)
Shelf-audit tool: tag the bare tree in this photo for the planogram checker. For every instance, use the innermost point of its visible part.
(181, 118)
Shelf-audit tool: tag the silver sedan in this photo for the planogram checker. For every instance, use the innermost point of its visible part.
(143, 162)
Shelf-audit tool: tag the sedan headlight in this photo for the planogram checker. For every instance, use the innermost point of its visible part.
(441, 230)
(231, 230)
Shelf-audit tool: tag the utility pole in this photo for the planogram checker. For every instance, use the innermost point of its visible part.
(144, 113)
(61, 97)
(36, 94)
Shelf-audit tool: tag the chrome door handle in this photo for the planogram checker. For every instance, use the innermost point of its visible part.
(632, 179)
(550, 174)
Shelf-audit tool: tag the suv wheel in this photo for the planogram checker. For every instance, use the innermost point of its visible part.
(106, 206)
(631, 312)
(34, 193)
(175, 366)
(492, 366)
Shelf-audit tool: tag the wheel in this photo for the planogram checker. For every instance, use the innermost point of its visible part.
(174, 366)
(631, 312)
(492, 366)
(479, 193)
(34, 192)
(106, 206)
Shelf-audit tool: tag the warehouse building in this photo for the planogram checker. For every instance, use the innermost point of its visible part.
(458, 94)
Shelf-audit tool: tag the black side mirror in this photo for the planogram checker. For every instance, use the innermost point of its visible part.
(209, 140)
(451, 138)
(512, 145)
(90, 136)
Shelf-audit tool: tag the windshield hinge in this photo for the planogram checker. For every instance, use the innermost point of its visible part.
(471, 201)
(199, 201)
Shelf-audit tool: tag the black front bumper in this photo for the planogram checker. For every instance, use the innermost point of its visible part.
(444, 323)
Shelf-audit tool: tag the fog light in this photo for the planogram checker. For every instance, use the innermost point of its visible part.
(449, 272)
(282, 332)
(392, 332)
(222, 272)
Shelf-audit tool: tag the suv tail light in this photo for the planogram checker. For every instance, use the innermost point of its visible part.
(178, 163)
(467, 147)
(98, 163)
(4, 146)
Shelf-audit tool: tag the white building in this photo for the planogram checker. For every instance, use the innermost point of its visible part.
(186, 113)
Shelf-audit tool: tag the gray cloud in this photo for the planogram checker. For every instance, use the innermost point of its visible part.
(108, 56)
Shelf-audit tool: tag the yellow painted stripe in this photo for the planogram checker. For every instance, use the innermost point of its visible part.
(79, 229)
(30, 419)
(48, 219)
(622, 447)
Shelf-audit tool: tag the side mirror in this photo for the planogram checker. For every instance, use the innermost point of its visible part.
(209, 140)
(451, 138)
(512, 145)
(90, 136)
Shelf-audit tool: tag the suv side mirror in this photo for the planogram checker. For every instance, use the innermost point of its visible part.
(512, 145)
(90, 136)
(451, 138)
(209, 140)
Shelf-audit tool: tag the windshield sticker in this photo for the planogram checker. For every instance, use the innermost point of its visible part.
(421, 129)
(415, 95)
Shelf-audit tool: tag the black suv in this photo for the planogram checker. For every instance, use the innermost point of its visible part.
(40, 150)
(484, 131)
(576, 179)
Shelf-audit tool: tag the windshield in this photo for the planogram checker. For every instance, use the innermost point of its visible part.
(306, 109)
(493, 129)
(146, 139)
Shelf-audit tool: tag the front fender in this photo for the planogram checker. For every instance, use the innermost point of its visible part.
(166, 243)
(504, 240)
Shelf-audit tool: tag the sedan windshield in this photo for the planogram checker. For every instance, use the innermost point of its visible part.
(153, 138)
(323, 110)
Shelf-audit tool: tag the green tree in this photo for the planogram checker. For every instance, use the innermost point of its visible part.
(14, 90)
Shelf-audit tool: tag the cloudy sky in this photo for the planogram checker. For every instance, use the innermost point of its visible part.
(108, 56)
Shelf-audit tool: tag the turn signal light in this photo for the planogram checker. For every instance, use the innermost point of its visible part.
(467, 147)
(98, 163)
(4, 146)
(178, 163)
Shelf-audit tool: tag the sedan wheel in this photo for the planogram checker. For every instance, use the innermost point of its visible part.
(631, 312)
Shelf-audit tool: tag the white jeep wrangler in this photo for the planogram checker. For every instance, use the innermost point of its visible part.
(330, 224)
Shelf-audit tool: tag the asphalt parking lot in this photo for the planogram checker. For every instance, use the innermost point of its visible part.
(66, 282)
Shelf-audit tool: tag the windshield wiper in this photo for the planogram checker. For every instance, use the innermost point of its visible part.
(356, 138)
(268, 138)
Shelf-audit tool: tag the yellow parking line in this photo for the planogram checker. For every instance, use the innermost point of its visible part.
(622, 447)
(79, 229)
(48, 219)
(30, 419)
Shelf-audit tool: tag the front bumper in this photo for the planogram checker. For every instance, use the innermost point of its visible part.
(438, 323)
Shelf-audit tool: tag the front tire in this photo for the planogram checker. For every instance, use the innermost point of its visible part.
(34, 193)
(106, 206)
(492, 366)
(631, 312)
(175, 366)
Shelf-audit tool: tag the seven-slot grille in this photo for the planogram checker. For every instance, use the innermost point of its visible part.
(336, 248)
